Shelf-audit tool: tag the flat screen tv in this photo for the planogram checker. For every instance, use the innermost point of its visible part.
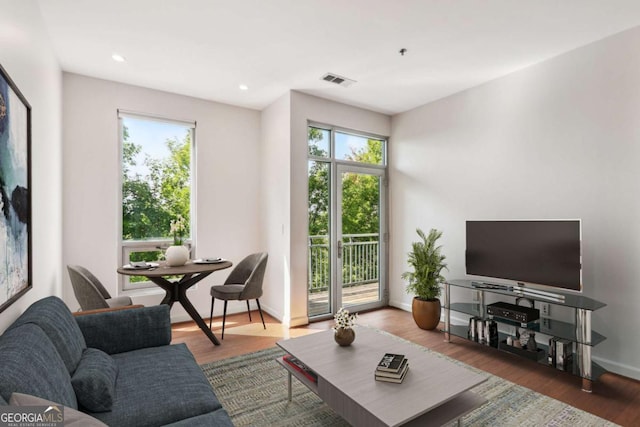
(538, 252)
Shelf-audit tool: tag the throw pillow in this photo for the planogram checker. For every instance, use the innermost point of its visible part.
(72, 418)
(94, 381)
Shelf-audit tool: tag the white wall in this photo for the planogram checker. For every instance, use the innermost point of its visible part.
(227, 173)
(556, 140)
(28, 58)
(274, 213)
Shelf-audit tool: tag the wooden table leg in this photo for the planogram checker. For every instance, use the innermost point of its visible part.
(183, 285)
(170, 289)
(177, 291)
(196, 317)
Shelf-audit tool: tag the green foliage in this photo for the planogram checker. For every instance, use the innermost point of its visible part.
(319, 182)
(150, 203)
(427, 262)
(314, 136)
(360, 205)
(360, 193)
(372, 154)
(318, 198)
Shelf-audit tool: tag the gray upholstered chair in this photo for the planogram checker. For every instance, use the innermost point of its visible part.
(90, 293)
(244, 283)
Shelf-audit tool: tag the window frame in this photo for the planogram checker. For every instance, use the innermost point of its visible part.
(126, 247)
(333, 159)
(334, 166)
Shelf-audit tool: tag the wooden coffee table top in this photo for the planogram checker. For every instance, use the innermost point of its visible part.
(346, 375)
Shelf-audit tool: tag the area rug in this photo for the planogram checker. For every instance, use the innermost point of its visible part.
(253, 390)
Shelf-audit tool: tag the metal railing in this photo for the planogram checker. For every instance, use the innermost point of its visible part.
(360, 258)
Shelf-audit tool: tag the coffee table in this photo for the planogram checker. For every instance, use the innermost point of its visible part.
(435, 391)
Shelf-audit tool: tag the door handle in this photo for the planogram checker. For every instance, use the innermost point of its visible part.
(339, 248)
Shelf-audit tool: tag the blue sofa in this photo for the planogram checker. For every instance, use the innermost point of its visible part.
(117, 367)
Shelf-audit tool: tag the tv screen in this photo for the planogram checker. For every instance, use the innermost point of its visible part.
(545, 252)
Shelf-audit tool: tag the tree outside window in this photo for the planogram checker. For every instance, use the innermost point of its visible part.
(156, 184)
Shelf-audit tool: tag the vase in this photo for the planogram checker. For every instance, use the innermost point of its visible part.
(426, 313)
(531, 344)
(176, 255)
(344, 336)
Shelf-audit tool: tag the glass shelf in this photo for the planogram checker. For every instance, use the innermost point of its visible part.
(461, 331)
(578, 332)
(545, 326)
(570, 300)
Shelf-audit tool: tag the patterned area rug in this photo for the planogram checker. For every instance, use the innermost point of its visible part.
(253, 390)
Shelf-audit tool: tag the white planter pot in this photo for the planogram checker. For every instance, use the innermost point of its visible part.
(176, 255)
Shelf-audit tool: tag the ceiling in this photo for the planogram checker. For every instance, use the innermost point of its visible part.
(207, 48)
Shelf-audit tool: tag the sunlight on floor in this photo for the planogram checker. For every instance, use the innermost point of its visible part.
(189, 327)
(273, 330)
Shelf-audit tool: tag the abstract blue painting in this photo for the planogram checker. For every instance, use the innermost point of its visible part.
(15, 192)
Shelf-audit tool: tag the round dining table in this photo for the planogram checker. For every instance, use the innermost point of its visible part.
(176, 290)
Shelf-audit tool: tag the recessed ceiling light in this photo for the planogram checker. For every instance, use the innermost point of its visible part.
(118, 58)
(243, 87)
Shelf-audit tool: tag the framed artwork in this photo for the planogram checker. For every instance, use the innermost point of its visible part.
(15, 193)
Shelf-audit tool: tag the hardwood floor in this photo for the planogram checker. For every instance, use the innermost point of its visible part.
(614, 397)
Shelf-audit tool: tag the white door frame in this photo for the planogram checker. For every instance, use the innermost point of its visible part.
(336, 236)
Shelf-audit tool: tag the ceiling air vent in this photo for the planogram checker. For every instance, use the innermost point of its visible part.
(339, 80)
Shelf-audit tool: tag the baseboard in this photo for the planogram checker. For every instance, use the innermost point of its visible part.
(407, 307)
(618, 368)
(231, 309)
(401, 305)
(271, 312)
(298, 321)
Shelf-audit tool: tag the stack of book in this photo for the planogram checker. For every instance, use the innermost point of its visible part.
(392, 368)
(300, 367)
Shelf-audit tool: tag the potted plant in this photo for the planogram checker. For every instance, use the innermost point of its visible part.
(344, 333)
(427, 263)
(177, 254)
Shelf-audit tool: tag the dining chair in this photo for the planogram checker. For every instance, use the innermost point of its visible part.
(90, 293)
(243, 284)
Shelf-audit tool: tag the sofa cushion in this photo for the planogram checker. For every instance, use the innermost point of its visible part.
(55, 319)
(158, 385)
(126, 330)
(30, 363)
(94, 381)
(72, 418)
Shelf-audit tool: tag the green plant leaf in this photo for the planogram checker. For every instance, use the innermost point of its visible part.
(427, 261)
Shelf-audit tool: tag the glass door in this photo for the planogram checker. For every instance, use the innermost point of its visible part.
(360, 238)
(319, 265)
(347, 221)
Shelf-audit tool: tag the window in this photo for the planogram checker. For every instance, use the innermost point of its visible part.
(357, 148)
(157, 169)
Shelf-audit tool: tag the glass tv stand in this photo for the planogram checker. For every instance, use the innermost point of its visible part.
(578, 332)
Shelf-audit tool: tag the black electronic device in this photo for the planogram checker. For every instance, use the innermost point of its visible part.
(513, 312)
(498, 286)
(536, 252)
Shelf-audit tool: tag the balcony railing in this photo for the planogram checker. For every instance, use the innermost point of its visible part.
(360, 255)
